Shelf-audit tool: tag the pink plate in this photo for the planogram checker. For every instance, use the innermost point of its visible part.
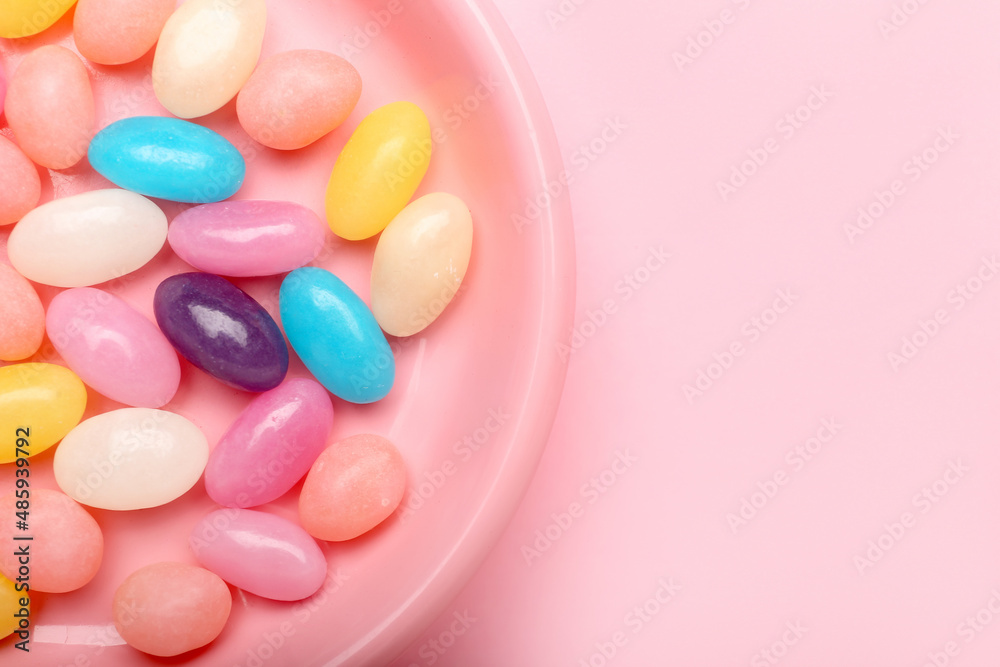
(475, 393)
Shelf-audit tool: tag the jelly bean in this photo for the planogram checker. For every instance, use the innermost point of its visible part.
(50, 107)
(22, 318)
(39, 404)
(166, 609)
(3, 88)
(207, 51)
(296, 97)
(261, 553)
(113, 348)
(115, 32)
(336, 336)
(420, 261)
(378, 171)
(353, 486)
(271, 445)
(19, 183)
(130, 459)
(247, 238)
(21, 18)
(66, 545)
(13, 604)
(88, 238)
(168, 158)
(220, 329)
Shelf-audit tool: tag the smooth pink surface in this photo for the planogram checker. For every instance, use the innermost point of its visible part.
(113, 348)
(271, 445)
(114, 32)
(490, 360)
(247, 238)
(22, 318)
(19, 182)
(259, 552)
(3, 87)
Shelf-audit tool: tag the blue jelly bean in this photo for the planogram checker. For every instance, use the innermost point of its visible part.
(168, 158)
(336, 335)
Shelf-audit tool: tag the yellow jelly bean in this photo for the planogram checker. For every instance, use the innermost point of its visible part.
(39, 404)
(10, 604)
(378, 171)
(20, 18)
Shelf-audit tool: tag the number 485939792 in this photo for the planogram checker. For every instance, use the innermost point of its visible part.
(23, 493)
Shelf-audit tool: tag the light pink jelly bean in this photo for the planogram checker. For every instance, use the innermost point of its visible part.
(296, 97)
(3, 88)
(261, 553)
(19, 183)
(114, 32)
(22, 318)
(271, 445)
(67, 545)
(247, 238)
(353, 486)
(50, 107)
(113, 348)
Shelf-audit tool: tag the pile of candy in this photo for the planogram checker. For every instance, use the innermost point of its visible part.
(142, 456)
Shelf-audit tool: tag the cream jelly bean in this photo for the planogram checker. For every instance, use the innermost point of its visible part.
(420, 261)
(39, 404)
(66, 547)
(19, 183)
(113, 348)
(207, 51)
(88, 238)
(130, 459)
(21, 18)
(114, 32)
(22, 318)
(50, 107)
(296, 97)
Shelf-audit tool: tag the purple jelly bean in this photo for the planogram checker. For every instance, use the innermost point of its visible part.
(220, 329)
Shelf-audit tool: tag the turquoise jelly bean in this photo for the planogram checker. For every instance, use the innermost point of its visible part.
(168, 158)
(336, 335)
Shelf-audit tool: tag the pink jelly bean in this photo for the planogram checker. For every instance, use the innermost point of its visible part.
(271, 445)
(296, 97)
(261, 553)
(247, 238)
(3, 88)
(66, 546)
(353, 486)
(166, 609)
(50, 107)
(113, 348)
(22, 318)
(19, 183)
(114, 32)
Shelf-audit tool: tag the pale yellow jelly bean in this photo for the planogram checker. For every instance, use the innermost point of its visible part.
(12, 601)
(420, 261)
(20, 18)
(114, 32)
(39, 404)
(207, 51)
(22, 318)
(378, 171)
(50, 107)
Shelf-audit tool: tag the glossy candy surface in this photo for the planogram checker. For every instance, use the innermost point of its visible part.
(22, 318)
(259, 552)
(21, 18)
(168, 158)
(353, 486)
(336, 336)
(10, 604)
(166, 609)
(3, 87)
(39, 403)
(113, 348)
(18, 181)
(50, 107)
(88, 238)
(296, 97)
(129, 459)
(67, 545)
(420, 261)
(378, 171)
(114, 32)
(220, 329)
(271, 445)
(207, 51)
(247, 238)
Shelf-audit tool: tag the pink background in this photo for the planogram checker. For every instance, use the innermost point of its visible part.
(879, 546)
